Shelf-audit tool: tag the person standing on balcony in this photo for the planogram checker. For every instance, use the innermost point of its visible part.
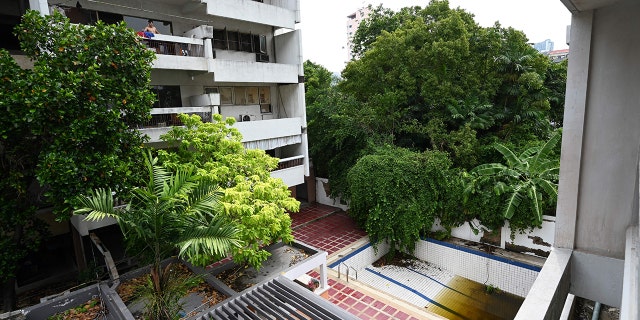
(151, 28)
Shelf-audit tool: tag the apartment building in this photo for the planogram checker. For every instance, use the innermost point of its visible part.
(353, 22)
(237, 58)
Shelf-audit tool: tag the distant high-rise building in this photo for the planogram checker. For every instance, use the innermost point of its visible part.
(544, 46)
(353, 22)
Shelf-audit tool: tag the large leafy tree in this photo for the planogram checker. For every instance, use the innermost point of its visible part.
(66, 122)
(526, 182)
(172, 212)
(396, 194)
(251, 199)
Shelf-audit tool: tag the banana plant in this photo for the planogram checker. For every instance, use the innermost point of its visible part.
(531, 175)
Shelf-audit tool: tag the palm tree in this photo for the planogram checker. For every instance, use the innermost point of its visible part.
(530, 175)
(173, 212)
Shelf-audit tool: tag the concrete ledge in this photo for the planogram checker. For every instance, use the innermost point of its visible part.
(631, 284)
(548, 294)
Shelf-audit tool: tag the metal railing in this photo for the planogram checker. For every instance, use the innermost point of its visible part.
(347, 273)
(290, 162)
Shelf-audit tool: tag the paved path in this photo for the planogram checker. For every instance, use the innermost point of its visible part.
(331, 229)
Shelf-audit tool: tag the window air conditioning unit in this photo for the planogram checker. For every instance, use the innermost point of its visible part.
(244, 117)
(200, 32)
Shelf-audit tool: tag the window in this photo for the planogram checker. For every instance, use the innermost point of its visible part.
(240, 95)
(226, 95)
(252, 95)
(233, 42)
(220, 39)
(265, 108)
(246, 42)
(211, 90)
(265, 95)
(167, 96)
(263, 44)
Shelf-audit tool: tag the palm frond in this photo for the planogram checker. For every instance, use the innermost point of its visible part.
(536, 198)
(488, 169)
(205, 198)
(215, 239)
(98, 205)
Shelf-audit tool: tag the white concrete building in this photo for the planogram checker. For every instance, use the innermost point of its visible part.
(353, 22)
(595, 253)
(238, 58)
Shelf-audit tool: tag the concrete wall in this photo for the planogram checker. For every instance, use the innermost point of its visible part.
(597, 189)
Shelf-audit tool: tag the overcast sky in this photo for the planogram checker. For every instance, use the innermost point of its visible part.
(324, 23)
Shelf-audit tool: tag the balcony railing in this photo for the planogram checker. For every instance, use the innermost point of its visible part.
(176, 46)
(168, 117)
(290, 162)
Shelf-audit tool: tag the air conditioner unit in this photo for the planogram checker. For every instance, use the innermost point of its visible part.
(200, 32)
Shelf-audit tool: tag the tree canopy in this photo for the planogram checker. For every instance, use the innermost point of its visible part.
(251, 199)
(430, 80)
(66, 125)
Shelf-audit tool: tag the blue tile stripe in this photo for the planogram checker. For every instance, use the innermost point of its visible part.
(347, 257)
(484, 254)
(414, 291)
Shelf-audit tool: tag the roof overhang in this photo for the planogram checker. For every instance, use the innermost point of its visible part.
(576, 6)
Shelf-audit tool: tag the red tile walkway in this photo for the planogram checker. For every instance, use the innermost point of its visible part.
(361, 304)
(331, 233)
(331, 229)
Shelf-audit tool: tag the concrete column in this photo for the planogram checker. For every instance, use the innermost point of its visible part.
(573, 129)
(40, 5)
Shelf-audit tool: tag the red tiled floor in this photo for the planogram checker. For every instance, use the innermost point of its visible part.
(311, 212)
(331, 234)
(331, 230)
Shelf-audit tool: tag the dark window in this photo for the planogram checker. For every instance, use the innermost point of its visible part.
(220, 39)
(167, 96)
(234, 40)
(246, 42)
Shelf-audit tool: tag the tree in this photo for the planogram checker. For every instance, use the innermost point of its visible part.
(252, 200)
(396, 194)
(317, 80)
(525, 180)
(171, 212)
(66, 125)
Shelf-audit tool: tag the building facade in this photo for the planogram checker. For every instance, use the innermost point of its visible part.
(353, 22)
(240, 59)
(544, 46)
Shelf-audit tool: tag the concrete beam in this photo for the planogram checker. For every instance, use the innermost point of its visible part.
(547, 296)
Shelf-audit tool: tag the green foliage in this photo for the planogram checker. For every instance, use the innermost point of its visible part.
(527, 183)
(66, 122)
(251, 199)
(433, 79)
(317, 81)
(396, 194)
(172, 212)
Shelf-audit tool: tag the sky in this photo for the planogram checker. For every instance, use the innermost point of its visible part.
(324, 23)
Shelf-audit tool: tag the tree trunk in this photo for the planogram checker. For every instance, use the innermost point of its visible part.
(9, 295)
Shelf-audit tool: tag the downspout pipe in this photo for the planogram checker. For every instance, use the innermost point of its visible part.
(596, 311)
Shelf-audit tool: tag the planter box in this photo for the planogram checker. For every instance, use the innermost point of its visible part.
(116, 308)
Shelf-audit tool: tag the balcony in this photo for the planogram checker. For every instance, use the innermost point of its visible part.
(290, 170)
(281, 14)
(179, 53)
(270, 134)
(254, 72)
(162, 119)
